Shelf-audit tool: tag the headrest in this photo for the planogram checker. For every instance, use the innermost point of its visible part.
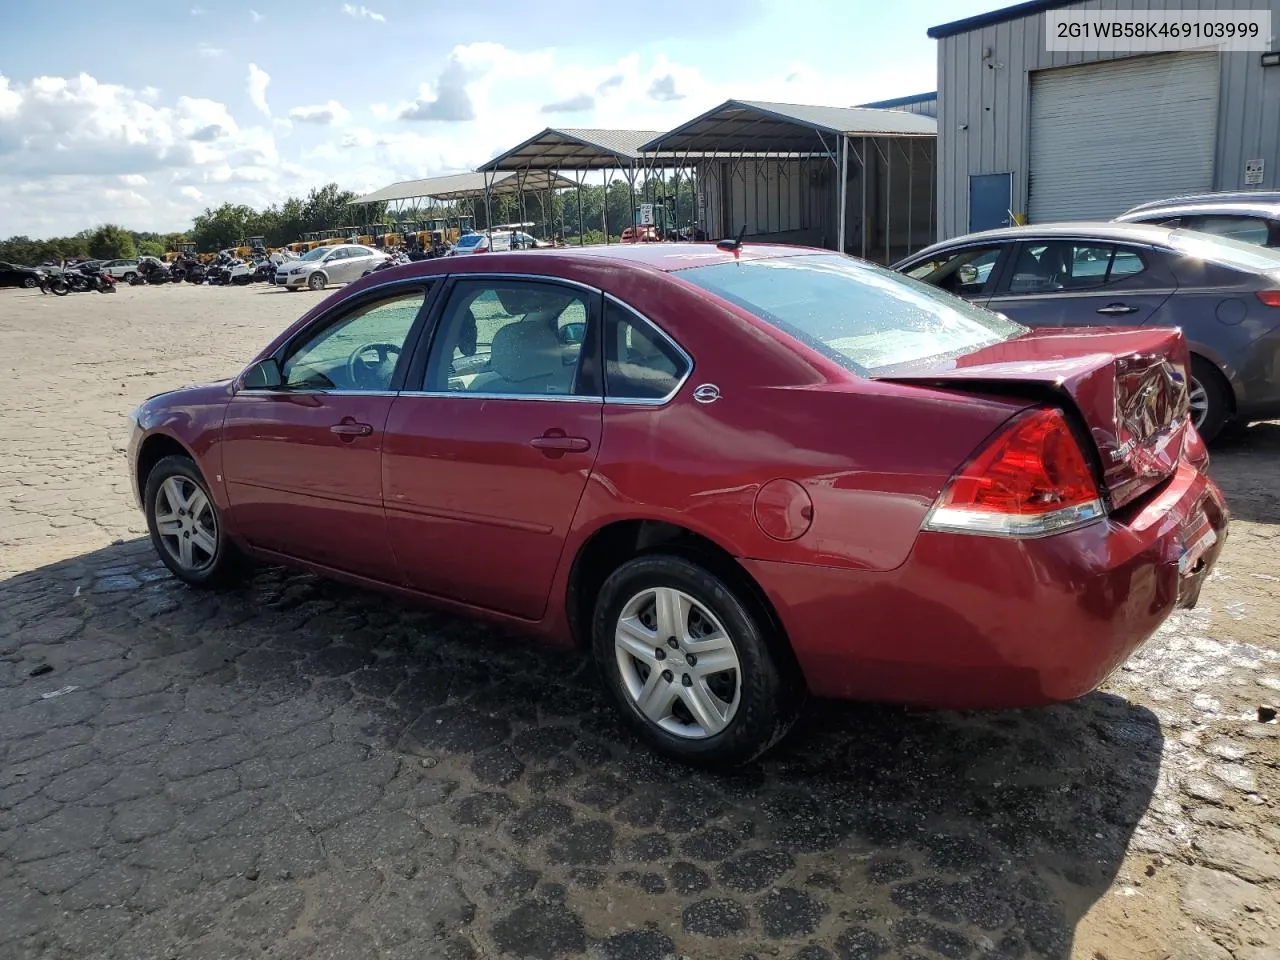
(525, 350)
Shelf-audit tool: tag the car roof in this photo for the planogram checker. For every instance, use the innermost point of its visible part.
(1223, 196)
(1083, 230)
(1243, 208)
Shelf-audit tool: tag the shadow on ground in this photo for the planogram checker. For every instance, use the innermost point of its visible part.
(1243, 460)
(297, 769)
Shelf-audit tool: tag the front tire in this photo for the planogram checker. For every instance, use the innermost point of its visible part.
(186, 529)
(686, 659)
(317, 281)
(1210, 400)
(130, 277)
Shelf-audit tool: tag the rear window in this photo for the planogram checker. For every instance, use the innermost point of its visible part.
(470, 241)
(862, 316)
(1228, 253)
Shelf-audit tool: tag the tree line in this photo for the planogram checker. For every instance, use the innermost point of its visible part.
(329, 208)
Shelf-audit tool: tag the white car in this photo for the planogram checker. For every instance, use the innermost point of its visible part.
(341, 263)
(124, 270)
(499, 242)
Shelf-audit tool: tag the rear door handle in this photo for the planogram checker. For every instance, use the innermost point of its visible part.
(1117, 309)
(349, 429)
(562, 444)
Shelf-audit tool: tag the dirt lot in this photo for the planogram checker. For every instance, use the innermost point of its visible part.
(294, 769)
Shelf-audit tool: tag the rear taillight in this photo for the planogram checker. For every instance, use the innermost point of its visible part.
(1270, 297)
(1032, 479)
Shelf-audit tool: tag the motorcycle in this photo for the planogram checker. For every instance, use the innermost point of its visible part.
(241, 272)
(83, 281)
(393, 260)
(151, 271)
(218, 273)
(264, 272)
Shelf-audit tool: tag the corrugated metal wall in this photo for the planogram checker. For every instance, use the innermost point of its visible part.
(992, 98)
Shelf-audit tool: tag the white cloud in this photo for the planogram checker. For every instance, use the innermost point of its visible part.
(209, 52)
(198, 11)
(191, 193)
(331, 112)
(351, 10)
(133, 179)
(258, 81)
(256, 17)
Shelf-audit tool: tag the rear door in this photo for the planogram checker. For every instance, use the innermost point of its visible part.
(1076, 283)
(489, 447)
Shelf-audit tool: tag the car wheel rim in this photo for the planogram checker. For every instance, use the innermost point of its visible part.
(186, 523)
(678, 663)
(1198, 399)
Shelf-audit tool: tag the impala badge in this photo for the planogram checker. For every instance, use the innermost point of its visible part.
(707, 393)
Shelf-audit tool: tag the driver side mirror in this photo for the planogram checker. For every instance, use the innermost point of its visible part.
(263, 375)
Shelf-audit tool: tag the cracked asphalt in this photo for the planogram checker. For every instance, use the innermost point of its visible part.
(294, 769)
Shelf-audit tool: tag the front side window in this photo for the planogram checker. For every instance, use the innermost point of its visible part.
(509, 337)
(358, 352)
(1064, 265)
(639, 362)
(863, 317)
(967, 272)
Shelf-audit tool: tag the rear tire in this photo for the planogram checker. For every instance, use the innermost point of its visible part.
(30, 282)
(186, 528)
(1210, 398)
(665, 695)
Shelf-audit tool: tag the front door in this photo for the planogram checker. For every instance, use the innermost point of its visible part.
(303, 463)
(990, 200)
(484, 467)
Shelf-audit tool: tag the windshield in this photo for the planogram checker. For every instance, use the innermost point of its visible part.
(1229, 253)
(317, 254)
(862, 316)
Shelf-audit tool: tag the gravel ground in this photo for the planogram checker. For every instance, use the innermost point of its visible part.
(295, 769)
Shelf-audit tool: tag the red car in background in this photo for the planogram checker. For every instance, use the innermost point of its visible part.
(733, 476)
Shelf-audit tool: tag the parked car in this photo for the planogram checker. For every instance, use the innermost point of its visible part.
(15, 275)
(498, 242)
(342, 263)
(732, 476)
(126, 270)
(1251, 217)
(1223, 294)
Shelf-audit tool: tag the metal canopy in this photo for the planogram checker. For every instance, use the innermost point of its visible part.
(465, 186)
(574, 149)
(753, 126)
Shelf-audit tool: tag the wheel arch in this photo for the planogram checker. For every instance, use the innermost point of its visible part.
(614, 543)
(155, 448)
(1225, 371)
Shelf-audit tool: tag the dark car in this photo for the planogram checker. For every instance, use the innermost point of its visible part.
(13, 275)
(732, 476)
(1223, 294)
(1250, 217)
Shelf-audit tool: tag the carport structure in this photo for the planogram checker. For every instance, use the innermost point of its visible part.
(579, 152)
(855, 179)
(455, 194)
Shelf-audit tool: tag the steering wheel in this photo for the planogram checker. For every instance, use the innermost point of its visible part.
(366, 363)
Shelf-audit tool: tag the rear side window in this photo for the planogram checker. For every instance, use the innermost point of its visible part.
(639, 362)
(862, 316)
(1224, 251)
(1245, 229)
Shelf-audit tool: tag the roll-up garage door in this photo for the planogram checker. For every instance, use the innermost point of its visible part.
(1106, 136)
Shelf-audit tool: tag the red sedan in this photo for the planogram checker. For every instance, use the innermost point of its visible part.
(733, 476)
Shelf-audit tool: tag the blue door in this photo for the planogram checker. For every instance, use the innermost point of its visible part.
(990, 198)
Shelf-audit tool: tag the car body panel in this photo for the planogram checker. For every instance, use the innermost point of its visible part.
(448, 501)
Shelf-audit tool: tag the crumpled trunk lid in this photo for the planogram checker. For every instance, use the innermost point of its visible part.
(1128, 388)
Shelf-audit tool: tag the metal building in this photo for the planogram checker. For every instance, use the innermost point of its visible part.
(1034, 136)
(855, 179)
(925, 104)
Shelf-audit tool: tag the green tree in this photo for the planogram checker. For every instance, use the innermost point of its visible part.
(151, 248)
(111, 242)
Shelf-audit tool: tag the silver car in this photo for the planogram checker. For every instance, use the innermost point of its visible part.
(1248, 216)
(341, 263)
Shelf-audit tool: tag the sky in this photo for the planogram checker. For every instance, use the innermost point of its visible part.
(146, 117)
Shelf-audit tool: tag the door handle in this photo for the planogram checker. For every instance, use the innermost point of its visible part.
(1117, 309)
(348, 430)
(552, 443)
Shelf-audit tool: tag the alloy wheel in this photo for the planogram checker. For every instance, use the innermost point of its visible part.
(678, 663)
(186, 523)
(1198, 399)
